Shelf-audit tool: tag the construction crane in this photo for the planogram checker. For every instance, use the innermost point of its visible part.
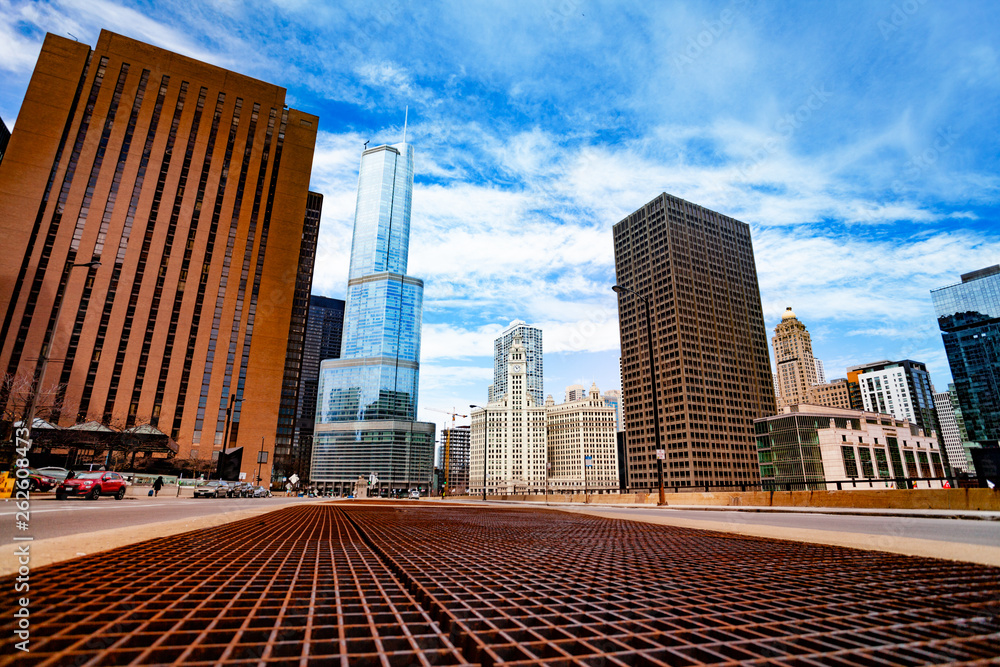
(447, 445)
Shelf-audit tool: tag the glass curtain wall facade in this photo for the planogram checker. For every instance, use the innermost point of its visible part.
(788, 451)
(367, 399)
(969, 319)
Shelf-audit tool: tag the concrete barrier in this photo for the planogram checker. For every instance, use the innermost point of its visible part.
(985, 500)
(168, 491)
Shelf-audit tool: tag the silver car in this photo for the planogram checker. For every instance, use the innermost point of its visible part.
(213, 489)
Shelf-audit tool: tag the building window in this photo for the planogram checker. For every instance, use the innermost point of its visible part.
(850, 464)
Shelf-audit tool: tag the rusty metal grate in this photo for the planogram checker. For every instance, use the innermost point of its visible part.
(275, 590)
(532, 588)
(440, 585)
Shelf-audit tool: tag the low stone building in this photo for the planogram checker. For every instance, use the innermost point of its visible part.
(817, 447)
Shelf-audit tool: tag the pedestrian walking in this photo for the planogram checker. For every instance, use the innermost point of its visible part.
(157, 485)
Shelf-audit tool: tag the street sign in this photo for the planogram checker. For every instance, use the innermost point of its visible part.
(243, 476)
(294, 479)
(661, 454)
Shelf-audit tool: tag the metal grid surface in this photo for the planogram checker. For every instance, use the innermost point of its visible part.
(293, 586)
(539, 588)
(439, 585)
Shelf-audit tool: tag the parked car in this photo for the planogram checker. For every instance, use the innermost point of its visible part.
(93, 485)
(37, 480)
(212, 489)
(261, 492)
(414, 494)
(54, 472)
(244, 490)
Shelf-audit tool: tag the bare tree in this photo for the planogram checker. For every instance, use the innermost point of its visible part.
(17, 387)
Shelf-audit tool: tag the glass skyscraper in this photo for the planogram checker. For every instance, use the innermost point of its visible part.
(367, 402)
(531, 337)
(969, 319)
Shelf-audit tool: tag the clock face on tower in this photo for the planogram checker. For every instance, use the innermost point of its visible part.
(517, 368)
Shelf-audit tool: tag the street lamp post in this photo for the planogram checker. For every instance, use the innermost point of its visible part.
(485, 445)
(652, 385)
(43, 358)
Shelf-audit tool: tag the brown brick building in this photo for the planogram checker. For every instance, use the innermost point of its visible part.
(189, 183)
(834, 394)
(713, 379)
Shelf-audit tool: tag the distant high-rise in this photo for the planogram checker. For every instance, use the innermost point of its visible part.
(455, 450)
(190, 183)
(367, 405)
(951, 437)
(531, 338)
(613, 398)
(323, 331)
(696, 267)
(820, 371)
(902, 389)
(794, 359)
(575, 392)
(969, 319)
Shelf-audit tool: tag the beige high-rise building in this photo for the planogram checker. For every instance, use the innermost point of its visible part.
(575, 392)
(508, 441)
(793, 356)
(582, 444)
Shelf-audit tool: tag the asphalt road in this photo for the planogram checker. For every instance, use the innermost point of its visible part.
(60, 518)
(957, 531)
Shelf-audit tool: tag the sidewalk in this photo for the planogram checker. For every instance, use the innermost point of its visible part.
(972, 515)
(859, 511)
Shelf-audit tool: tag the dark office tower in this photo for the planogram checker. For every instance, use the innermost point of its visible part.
(189, 182)
(713, 374)
(286, 439)
(323, 340)
(969, 319)
(4, 138)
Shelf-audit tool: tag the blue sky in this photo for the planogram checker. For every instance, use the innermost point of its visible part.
(858, 139)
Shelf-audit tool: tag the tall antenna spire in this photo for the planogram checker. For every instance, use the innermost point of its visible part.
(406, 116)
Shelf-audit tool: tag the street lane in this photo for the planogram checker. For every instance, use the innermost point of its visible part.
(60, 518)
